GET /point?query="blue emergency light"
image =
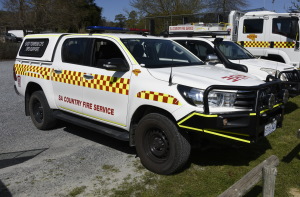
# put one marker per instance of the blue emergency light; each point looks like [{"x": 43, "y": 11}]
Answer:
[{"x": 102, "y": 28}]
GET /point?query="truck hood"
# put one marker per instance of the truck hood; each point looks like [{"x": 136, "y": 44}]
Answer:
[
  {"x": 261, "y": 63},
  {"x": 204, "y": 75}
]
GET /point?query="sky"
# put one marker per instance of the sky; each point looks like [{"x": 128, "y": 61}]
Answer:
[{"x": 113, "y": 7}]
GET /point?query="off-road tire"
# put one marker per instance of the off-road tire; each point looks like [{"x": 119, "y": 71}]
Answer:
[
  {"x": 40, "y": 112},
  {"x": 161, "y": 146}
]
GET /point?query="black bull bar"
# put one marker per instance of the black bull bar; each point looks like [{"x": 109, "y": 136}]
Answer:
[
  {"x": 293, "y": 83},
  {"x": 248, "y": 125},
  {"x": 275, "y": 87}
]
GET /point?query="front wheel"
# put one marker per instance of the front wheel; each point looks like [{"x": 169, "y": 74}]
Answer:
[
  {"x": 161, "y": 146},
  {"x": 40, "y": 112}
]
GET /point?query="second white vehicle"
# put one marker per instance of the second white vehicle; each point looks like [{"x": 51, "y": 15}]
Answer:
[{"x": 228, "y": 54}]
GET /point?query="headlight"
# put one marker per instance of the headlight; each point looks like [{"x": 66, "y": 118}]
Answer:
[
  {"x": 221, "y": 99},
  {"x": 270, "y": 71},
  {"x": 194, "y": 97},
  {"x": 283, "y": 77}
]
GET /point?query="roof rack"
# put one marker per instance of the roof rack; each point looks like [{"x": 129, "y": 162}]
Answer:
[
  {"x": 213, "y": 34},
  {"x": 97, "y": 29},
  {"x": 199, "y": 29}
]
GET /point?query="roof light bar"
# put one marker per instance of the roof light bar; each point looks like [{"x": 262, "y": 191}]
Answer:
[
  {"x": 102, "y": 28},
  {"x": 192, "y": 34}
]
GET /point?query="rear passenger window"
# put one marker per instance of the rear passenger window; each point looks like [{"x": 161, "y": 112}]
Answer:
[
  {"x": 77, "y": 51},
  {"x": 253, "y": 26},
  {"x": 34, "y": 47}
]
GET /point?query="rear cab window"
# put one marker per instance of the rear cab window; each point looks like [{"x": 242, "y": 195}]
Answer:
[
  {"x": 77, "y": 51},
  {"x": 34, "y": 47}
]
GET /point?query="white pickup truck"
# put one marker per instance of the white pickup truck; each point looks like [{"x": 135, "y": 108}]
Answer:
[
  {"x": 233, "y": 56},
  {"x": 149, "y": 91}
]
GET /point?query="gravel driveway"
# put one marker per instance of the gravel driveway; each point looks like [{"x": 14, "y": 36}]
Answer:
[{"x": 56, "y": 162}]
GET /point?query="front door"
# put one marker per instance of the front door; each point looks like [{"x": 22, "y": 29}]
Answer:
[{"x": 105, "y": 93}]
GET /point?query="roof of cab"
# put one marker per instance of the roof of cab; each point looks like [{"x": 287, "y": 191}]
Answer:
[{"x": 54, "y": 37}]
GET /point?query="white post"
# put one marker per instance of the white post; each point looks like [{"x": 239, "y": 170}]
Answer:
[{"x": 269, "y": 177}]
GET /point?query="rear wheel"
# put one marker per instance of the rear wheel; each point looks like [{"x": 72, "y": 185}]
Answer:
[
  {"x": 161, "y": 146},
  {"x": 40, "y": 112}
]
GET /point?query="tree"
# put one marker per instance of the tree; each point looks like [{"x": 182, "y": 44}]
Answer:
[
  {"x": 132, "y": 19},
  {"x": 120, "y": 18},
  {"x": 18, "y": 12},
  {"x": 52, "y": 15},
  {"x": 295, "y": 5},
  {"x": 163, "y": 13},
  {"x": 168, "y": 7},
  {"x": 223, "y": 7}
]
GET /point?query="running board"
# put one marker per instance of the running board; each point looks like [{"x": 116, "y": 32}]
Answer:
[{"x": 111, "y": 131}]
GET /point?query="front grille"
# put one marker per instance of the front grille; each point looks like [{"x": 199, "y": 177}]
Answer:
[
  {"x": 245, "y": 99},
  {"x": 292, "y": 76}
]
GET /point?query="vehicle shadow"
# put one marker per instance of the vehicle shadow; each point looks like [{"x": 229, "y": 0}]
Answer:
[
  {"x": 14, "y": 158},
  {"x": 292, "y": 155},
  {"x": 209, "y": 154},
  {"x": 4, "y": 192},
  {"x": 213, "y": 154},
  {"x": 99, "y": 138},
  {"x": 290, "y": 107}
]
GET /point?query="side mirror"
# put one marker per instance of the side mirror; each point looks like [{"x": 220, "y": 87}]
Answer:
[
  {"x": 116, "y": 64},
  {"x": 212, "y": 59},
  {"x": 297, "y": 45}
]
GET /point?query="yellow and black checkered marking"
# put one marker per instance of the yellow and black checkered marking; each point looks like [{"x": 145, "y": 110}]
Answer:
[
  {"x": 264, "y": 44},
  {"x": 99, "y": 82},
  {"x": 160, "y": 97},
  {"x": 261, "y": 44},
  {"x": 284, "y": 44},
  {"x": 33, "y": 71}
]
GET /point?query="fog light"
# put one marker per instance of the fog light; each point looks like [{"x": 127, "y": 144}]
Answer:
[
  {"x": 225, "y": 122},
  {"x": 271, "y": 101},
  {"x": 285, "y": 96}
]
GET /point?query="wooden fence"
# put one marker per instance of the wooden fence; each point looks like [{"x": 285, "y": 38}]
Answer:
[{"x": 266, "y": 170}]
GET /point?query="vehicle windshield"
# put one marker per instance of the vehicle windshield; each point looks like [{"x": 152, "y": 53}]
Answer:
[
  {"x": 234, "y": 51},
  {"x": 159, "y": 53}
]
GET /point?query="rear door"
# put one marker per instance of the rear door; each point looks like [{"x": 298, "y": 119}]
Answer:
[{"x": 68, "y": 72}]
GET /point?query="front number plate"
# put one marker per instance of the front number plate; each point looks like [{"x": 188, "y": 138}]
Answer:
[{"x": 269, "y": 128}]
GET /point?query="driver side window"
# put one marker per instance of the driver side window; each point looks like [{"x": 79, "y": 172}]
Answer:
[
  {"x": 105, "y": 50},
  {"x": 200, "y": 49}
]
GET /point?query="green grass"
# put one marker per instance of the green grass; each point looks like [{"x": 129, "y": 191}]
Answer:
[
  {"x": 110, "y": 168},
  {"x": 76, "y": 191},
  {"x": 210, "y": 172}
]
